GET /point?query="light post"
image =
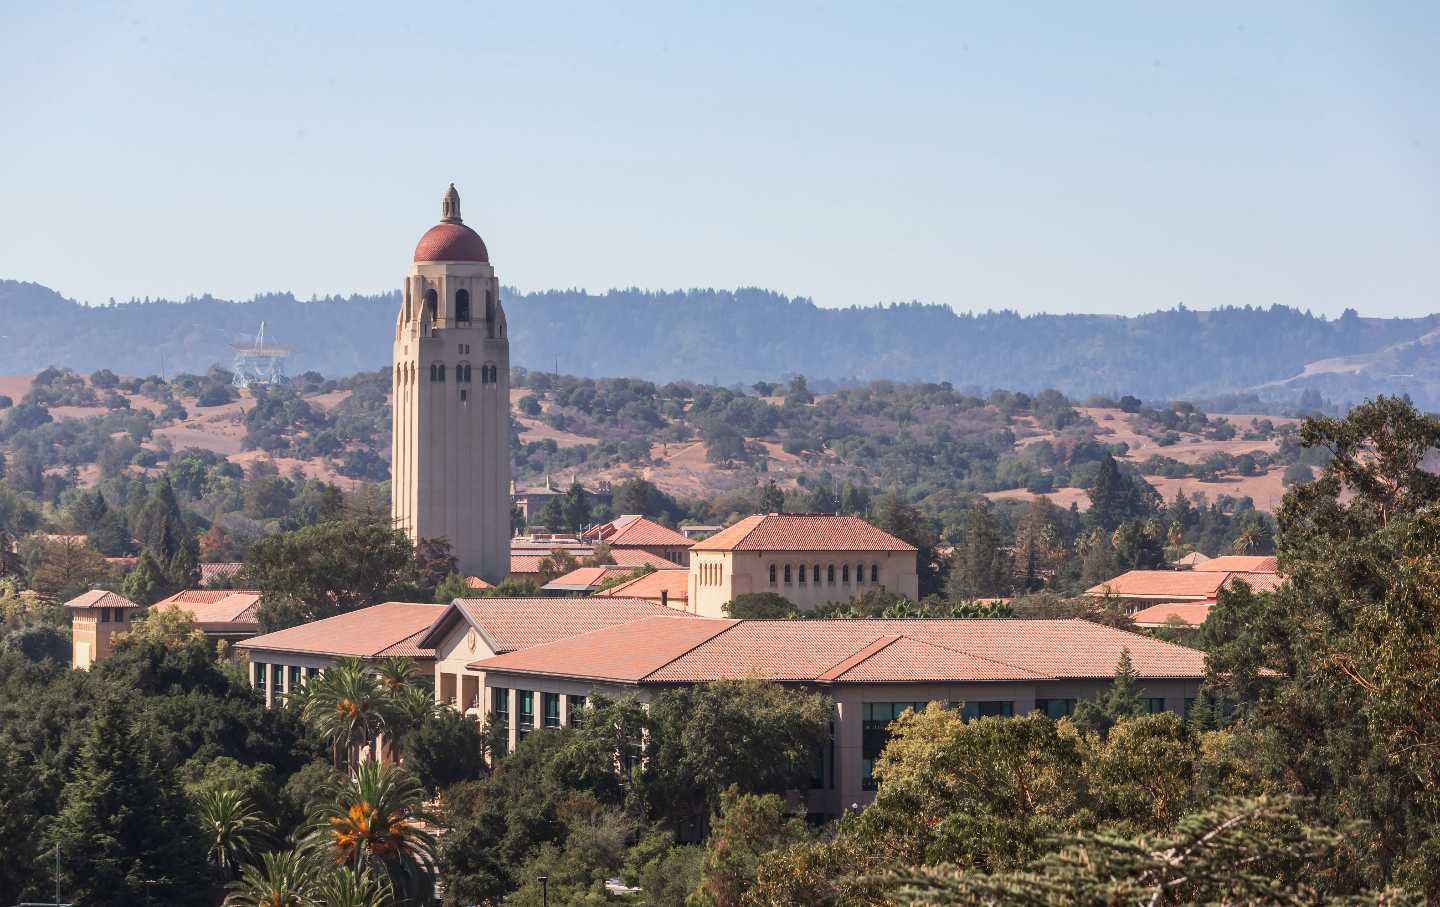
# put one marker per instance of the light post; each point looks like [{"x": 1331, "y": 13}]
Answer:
[{"x": 545, "y": 891}]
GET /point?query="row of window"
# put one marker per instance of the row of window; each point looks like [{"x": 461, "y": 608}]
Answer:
[
  {"x": 489, "y": 373},
  {"x": 114, "y": 615},
  {"x": 462, "y": 308},
  {"x": 814, "y": 572},
  {"x": 525, "y": 706},
  {"x": 274, "y": 676}
]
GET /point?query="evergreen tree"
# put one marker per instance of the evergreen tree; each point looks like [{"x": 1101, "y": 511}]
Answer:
[
  {"x": 1117, "y": 703},
  {"x": 124, "y": 829},
  {"x": 772, "y": 499},
  {"x": 576, "y": 506},
  {"x": 1116, "y": 497},
  {"x": 145, "y": 584},
  {"x": 1099, "y": 564},
  {"x": 980, "y": 568}
]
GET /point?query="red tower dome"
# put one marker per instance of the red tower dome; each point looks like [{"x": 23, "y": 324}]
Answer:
[{"x": 451, "y": 240}]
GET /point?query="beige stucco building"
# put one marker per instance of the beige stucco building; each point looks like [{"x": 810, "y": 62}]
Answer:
[
  {"x": 872, "y": 670},
  {"x": 95, "y": 619},
  {"x": 450, "y": 453},
  {"x": 810, "y": 559}
]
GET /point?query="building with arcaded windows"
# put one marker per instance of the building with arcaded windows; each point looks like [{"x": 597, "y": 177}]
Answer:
[
  {"x": 812, "y": 559},
  {"x": 96, "y": 617},
  {"x": 471, "y": 630},
  {"x": 450, "y": 449},
  {"x": 872, "y": 670}
]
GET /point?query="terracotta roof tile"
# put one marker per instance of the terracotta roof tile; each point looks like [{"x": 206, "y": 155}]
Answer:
[
  {"x": 634, "y": 529},
  {"x": 801, "y": 532},
  {"x": 526, "y": 563},
  {"x": 475, "y": 582},
  {"x": 675, "y": 583},
  {"x": 1240, "y": 563},
  {"x": 223, "y": 570},
  {"x": 1192, "y": 613},
  {"x": 217, "y": 609},
  {"x": 451, "y": 242},
  {"x": 627, "y": 652},
  {"x": 635, "y": 557},
  {"x": 390, "y": 628},
  {"x": 853, "y": 651},
  {"x": 1180, "y": 585},
  {"x": 511, "y": 624},
  {"x": 584, "y": 578},
  {"x": 100, "y": 598}
]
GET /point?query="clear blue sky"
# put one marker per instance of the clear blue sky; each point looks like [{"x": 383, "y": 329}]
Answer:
[{"x": 1072, "y": 157}]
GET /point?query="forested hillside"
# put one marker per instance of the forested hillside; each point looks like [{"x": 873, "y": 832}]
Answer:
[{"x": 746, "y": 335}]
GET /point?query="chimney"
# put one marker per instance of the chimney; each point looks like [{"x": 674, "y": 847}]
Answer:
[{"x": 665, "y": 598}]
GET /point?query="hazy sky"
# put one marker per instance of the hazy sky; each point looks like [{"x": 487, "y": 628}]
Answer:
[{"x": 1051, "y": 157}]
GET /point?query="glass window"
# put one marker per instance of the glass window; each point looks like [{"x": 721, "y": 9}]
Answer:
[
  {"x": 550, "y": 703},
  {"x": 830, "y": 574},
  {"x": 1055, "y": 709},
  {"x": 1002, "y": 708},
  {"x": 815, "y": 574},
  {"x": 800, "y": 573},
  {"x": 772, "y": 574},
  {"x": 1155, "y": 705},
  {"x": 874, "y": 573},
  {"x": 462, "y": 305},
  {"x": 294, "y": 677},
  {"x": 859, "y": 573},
  {"x": 500, "y": 704},
  {"x": 525, "y": 705},
  {"x": 787, "y": 574},
  {"x": 277, "y": 677},
  {"x": 875, "y": 733},
  {"x": 844, "y": 573},
  {"x": 577, "y": 709},
  {"x": 262, "y": 671}
]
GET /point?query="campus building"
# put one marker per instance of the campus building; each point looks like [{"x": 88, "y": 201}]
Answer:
[
  {"x": 283, "y": 661},
  {"x": 95, "y": 618},
  {"x": 811, "y": 559},
  {"x": 1158, "y": 597},
  {"x": 450, "y": 454},
  {"x": 873, "y": 670},
  {"x": 471, "y": 630},
  {"x": 633, "y": 532}
]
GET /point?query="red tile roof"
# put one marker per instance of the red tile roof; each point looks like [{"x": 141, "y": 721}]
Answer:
[
  {"x": 510, "y": 624},
  {"x": 637, "y": 557},
  {"x": 1181, "y": 585},
  {"x": 1192, "y": 613},
  {"x": 526, "y": 563},
  {"x": 585, "y": 578},
  {"x": 475, "y": 582},
  {"x": 391, "y": 628},
  {"x": 801, "y": 532},
  {"x": 217, "y": 609},
  {"x": 100, "y": 598},
  {"x": 634, "y": 529},
  {"x": 451, "y": 242},
  {"x": 222, "y": 570},
  {"x": 1238, "y": 563},
  {"x": 852, "y": 651},
  {"x": 675, "y": 584}
]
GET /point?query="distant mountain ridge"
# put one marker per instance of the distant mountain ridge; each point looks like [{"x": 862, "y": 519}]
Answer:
[{"x": 752, "y": 334}]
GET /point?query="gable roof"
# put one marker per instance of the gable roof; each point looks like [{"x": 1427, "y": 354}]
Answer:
[
  {"x": 390, "y": 628},
  {"x": 674, "y": 583},
  {"x": 636, "y": 557},
  {"x": 1238, "y": 563},
  {"x": 217, "y": 609},
  {"x": 511, "y": 624},
  {"x": 801, "y": 532},
  {"x": 100, "y": 598},
  {"x": 852, "y": 651},
  {"x": 635, "y": 529},
  {"x": 1181, "y": 585}
]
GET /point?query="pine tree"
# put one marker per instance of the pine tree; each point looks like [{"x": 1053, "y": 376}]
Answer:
[
  {"x": 980, "y": 568},
  {"x": 145, "y": 584},
  {"x": 772, "y": 499},
  {"x": 124, "y": 831},
  {"x": 1117, "y": 703}
]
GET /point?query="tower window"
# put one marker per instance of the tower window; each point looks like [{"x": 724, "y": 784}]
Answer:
[
  {"x": 462, "y": 305},
  {"x": 463, "y": 392},
  {"x": 431, "y": 301},
  {"x": 434, "y": 372},
  {"x": 441, "y": 367},
  {"x": 490, "y": 313}
]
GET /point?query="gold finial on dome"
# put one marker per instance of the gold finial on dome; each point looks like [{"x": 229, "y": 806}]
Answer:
[{"x": 450, "y": 206}]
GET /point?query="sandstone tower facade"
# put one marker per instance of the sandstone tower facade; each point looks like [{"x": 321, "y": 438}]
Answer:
[{"x": 450, "y": 453}]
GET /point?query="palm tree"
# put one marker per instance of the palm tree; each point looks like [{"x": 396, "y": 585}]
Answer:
[
  {"x": 282, "y": 879},
  {"x": 232, "y": 827},
  {"x": 347, "y": 888},
  {"x": 1249, "y": 539},
  {"x": 349, "y": 707},
  {"x": 375, "y": 818},
  {"x": 396, "y": 671},
  {"x": 409, "y": 707}
]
